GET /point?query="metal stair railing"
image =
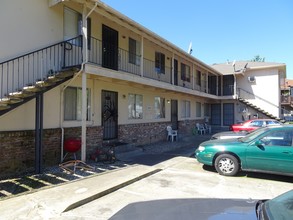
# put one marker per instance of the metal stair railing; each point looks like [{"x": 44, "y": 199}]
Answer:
[{"x": 27, "y": 70}]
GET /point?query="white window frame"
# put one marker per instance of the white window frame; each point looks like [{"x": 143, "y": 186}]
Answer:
[
  {"x": 73, "y": 104},
  {"x": 185, "y": 109},
  {"x": 134, "y": 50},
  {"x": 135, "y": 106},
  {"x": 72, "y": 23},
  {"x": 159, "y": 107}
]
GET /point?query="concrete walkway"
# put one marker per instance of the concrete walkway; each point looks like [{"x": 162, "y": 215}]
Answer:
[{"x": 50, "y": 202}]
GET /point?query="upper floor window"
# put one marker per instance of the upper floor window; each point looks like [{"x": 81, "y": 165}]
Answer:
[
  {"x": 185, "y": 109},
  {"x": 198, "y": 77},
  {"x": 73, "y": 104},
  {"x": 73, "y": 26},
  {"x": 135, "y": 106},
  {"x": 185, "y": 72},
  {"x": 160, "y": 62},
  {"x": 159, "y": 107},
  {"x": 134, "y": 51},
  {"x": 72, "y": 23},
  {"x": 228, "y": 85}
]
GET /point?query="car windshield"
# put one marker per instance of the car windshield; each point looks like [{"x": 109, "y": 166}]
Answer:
[
  {"x": 251, "y": 136},
  {"x": 280, "y": 207}
]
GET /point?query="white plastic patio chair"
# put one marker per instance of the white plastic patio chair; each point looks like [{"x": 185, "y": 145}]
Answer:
[
  {"x": 171, "y": 134},
  {"x": 200, "y": 129}
]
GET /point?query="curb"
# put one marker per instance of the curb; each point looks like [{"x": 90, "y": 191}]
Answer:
[{"x": 110, "y": 190}]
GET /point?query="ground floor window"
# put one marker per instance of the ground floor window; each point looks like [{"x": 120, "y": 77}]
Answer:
[
  {"x": 207, "y": 110},
  {"x": 73, "y": 104},
  {"x": 135, "y": 106},
  {"x": 185, "y": 109},
  {"x": 198, "y": 109},
  {"x": 159, "y": 107}
]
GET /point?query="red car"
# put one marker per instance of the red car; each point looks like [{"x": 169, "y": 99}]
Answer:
[{"x": 254, "y": 124}]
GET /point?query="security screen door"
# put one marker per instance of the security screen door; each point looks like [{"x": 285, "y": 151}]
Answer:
[{"x": 110, "y": 114}]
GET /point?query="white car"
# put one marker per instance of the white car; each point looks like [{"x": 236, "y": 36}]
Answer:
[{"x": 229, "y": 135}]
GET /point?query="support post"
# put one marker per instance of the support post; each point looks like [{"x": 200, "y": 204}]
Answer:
[
  {"x": 39, "y": 133},
  {"x": 84, "y": 85}
]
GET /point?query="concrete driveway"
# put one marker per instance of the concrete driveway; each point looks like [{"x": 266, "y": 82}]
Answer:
[{"x": 183, "y": 177}]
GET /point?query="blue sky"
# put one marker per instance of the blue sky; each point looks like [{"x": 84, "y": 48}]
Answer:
[{"x": 219, "y": 30}]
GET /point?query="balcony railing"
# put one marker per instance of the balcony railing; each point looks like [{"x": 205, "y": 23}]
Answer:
[
  {"x": 286, "y": 100},
  {"x": 130, "y": 63},
  {"x": 30, "y": 68}
]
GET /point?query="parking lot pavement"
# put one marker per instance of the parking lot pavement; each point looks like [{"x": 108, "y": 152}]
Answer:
[
  {"x": 53, "y": 176},
  {"x": 182, "y": 177},
  {"x": 52, "y": 201}
]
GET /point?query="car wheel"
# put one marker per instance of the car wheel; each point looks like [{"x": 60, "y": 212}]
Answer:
[{"x": 226, "y": 165}]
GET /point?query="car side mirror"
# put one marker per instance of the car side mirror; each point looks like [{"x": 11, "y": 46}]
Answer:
[{"x": 259, "y": 143}]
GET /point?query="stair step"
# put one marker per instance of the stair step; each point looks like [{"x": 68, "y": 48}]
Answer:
[
  {"x": 4, "y": 107},
  {"x": 43, "y": 83},
  {"x": 21, "y": 94},
  {"x": 56, "y": 77},
  {"x": 32, "y": 88},
  {"x": 53, "y": 79},
  {"x": 10, "y": 100},
  {"x": 65, "y": 73}
]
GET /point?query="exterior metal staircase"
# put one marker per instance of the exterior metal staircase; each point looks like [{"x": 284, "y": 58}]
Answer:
[
  {"x": 258, "y": 109},
  {"x": 23, "y": 77},
  {"x": 244, "y": 96}
]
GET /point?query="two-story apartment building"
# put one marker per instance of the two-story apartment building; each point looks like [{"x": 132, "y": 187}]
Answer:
[
  {"x": 257, "y": 87},
  {"x": 80, "y": 69}
]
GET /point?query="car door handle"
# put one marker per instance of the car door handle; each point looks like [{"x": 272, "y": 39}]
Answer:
[{"x": 287, "y": 152}]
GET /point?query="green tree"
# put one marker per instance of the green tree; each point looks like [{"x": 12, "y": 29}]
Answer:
[{"x": 257, "y": 58}]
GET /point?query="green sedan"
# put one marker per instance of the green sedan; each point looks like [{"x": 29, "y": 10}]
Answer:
[{"x": 268, "y": 150}]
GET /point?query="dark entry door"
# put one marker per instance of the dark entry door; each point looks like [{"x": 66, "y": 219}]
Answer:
[
  {"x": 110, "y": 48},
  {"x": 174, "y": 114},
  {"x": 216, "y": 114},
  {"x": 110, "y": 114},
  {"x": 228, "y": 113}
]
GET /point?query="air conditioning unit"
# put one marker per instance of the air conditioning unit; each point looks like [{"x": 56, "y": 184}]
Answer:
[{"x": 251, "y": 79}]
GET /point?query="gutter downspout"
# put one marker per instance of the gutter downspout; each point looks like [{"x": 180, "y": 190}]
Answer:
[
  {"x": 61, "y": 109},
  {"x": 84, "y": 79},
  {"x": 235, "y": 95}
]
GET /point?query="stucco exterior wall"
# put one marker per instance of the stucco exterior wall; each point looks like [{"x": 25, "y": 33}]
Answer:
[
  {"x": 28, "y": 25},
  {"x": 264, "y": 92},
  {"x": 53, "y": 106}
]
